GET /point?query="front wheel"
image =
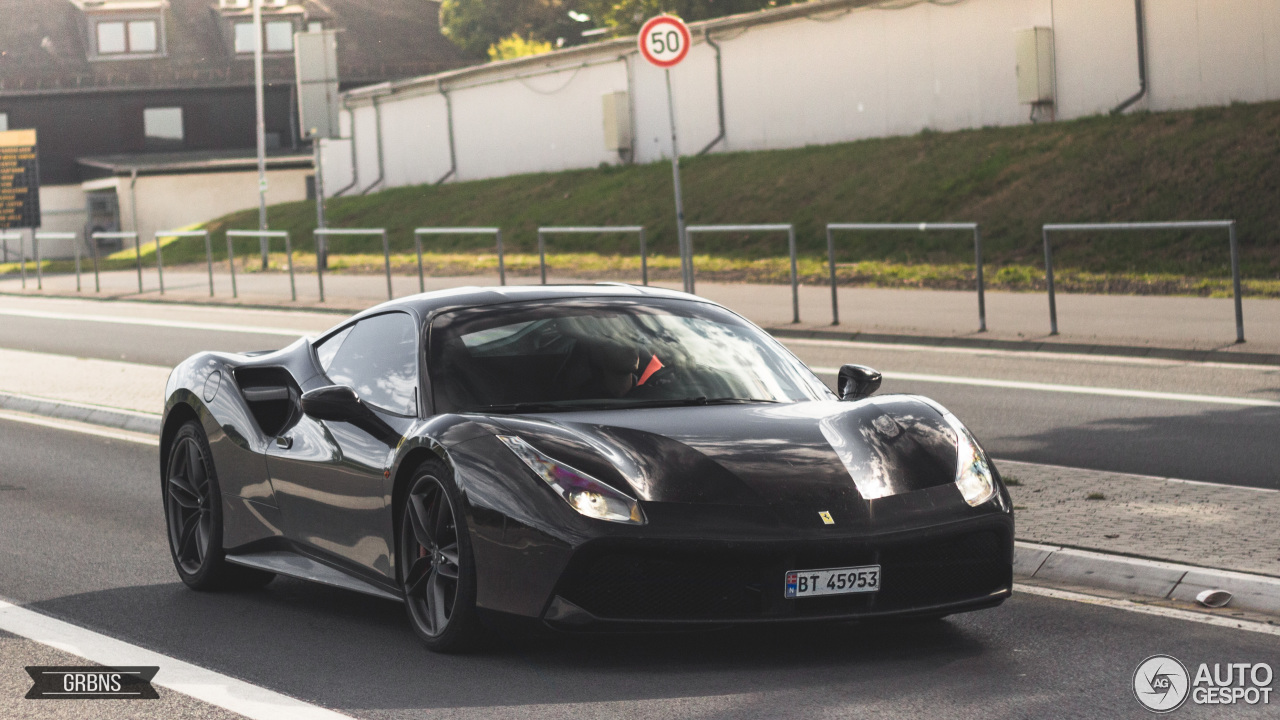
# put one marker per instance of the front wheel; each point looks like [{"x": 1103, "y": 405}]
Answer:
[
  {"x": 193, "y": 514},
  {"x": 437, "y": 569}
]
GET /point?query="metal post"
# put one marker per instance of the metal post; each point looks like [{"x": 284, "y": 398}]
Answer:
[
  {"x": 795, "y": 281},
  {"x": 502, "y": 272},
  {"x": 259, "y": 107},
  {"x": 1235, "y": 282},
  {"x": 35, "y": 252},
  {"x": 159, "y": 264},
  {"x": 209, "y": 258},
  {"x": 982, "y": 299},
  {"x": 644, "y": 259},
  {"x": 321, "y": 260},
  {"x": 231, "y": 262},
  {"x": 76, "y": 244},
  {"x": 322, "y": 250},
  {"x": 137, "y": 254},
  {"x": 386, "y": 256},
  {"x": 22, "y": 257},
  {"x": 542, "y": 258},
  {"x": 417, "y": 245},
  {"x": 288, "y": 250},
  {"x": 831, "y": 259},
  {"x": 97, "y": 284},
  {"x": 686, "y": 253},
  {"x": 1048, "y": 274}
]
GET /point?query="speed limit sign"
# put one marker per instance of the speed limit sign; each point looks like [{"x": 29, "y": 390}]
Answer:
[{"x": 664, "y": 41}]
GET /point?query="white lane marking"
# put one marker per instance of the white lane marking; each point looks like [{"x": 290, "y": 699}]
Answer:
[
  {"x": 82, "y": 406},
  {"x": 152, "y": 322},
  {"x": 1143, "y": 608},
  {"x": 1076, "y": 389},
  {"x": 200, "y": 683},
  {"x": 84, "y": 428},
  {"x": 1027, "y": 354}
]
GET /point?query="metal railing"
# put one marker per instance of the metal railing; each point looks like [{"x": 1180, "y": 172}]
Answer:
[
  {"x": 909, "y": 227},
  {"x": 362, "y": 232},
  {"x": 495, "y": 232},
  {"x": 97, "y": 251},
  {"x": 208, "y": 252},
  {"x": 260, "y": 235},
  {"x": 788, "y": 228},
  {"x": 1228, "y": 225},
  {"x": 36, "y": 237},
  {"x": 5, "y": 237},
  {"x": 588, "y": 230}
]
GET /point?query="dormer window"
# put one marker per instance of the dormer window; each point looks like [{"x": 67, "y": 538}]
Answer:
[
  {"x": 131, "y": 37},
  {"x": 124, "y": 30},
  {"x": 277, "y": 36}
]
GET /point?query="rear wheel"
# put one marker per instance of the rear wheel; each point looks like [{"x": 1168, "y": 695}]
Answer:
[
  {"x": 437, "y": 571},
  {"x": 193, "y": 514}
]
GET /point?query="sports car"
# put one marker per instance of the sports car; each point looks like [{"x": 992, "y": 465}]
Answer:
[{"x": 580, "y": 458}]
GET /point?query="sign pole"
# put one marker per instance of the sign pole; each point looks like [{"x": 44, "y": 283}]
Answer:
[
  {"x": 322, "y": 250},
  {"x": 685, "y": 260},
  {"x": 262, "y": 132}
]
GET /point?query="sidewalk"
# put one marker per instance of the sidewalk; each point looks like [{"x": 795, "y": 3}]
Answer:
[{"x": 1134, "y": 323}]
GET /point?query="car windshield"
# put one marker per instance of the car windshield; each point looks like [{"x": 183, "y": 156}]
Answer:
[{"x": 598, "y": 354}]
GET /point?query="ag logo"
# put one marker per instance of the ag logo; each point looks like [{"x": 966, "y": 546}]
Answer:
[{"x": 1161, "y": 683}]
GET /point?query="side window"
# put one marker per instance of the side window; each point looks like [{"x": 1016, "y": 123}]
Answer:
[
  {"x": 378, "y": 358},
  {"x": 326, "y": 350}
]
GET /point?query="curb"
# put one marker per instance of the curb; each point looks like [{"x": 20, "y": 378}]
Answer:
[
  {"x": 1149, "y": 578},
  {"x": 1050, "y": 563},
  {"x": 1218, "y": 356},
  {"x": 141, "y": 422}
]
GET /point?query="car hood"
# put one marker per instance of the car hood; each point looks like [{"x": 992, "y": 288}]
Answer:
[{"x": 826, "y": 455}]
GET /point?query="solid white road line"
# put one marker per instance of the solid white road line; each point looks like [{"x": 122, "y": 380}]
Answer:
[
  {"x": 85, "y": 428},
  {"x": 202, "y": 684},
  {"x": 151, "y": 322},
  {"x": 1075, "y": 389},
  {"x": 1025, "y": 354},
  {"x": 1157, "y": 610}
]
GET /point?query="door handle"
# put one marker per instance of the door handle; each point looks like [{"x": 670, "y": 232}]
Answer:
[{"x": 284, "y": 442}]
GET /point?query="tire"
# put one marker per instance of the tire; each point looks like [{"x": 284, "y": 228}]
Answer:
[
  {"x": 436, "y": 566},
  {"x": 193, "y": 517}
]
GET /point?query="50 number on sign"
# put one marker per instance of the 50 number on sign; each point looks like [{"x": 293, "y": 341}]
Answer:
[{"x": 664, "y": 41}]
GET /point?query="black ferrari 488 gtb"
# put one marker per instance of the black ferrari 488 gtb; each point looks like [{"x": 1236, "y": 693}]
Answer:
[{"x": 599, "y": 457}]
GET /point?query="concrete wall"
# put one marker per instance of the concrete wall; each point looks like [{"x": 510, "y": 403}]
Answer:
[{"x": 837, "y": 76}]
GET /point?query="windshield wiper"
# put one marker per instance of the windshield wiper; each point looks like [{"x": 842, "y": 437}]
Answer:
[
  {"x": 620, "y": 404},
  {"x": 523, "y": 407}
]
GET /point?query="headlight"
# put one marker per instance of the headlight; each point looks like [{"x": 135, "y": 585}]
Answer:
[
  {"x": 583, "y": 492},
  {"x": 973, "y": 473}
]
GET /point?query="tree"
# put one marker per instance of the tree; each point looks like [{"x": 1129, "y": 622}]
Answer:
[{"x": 480, "y": 26}]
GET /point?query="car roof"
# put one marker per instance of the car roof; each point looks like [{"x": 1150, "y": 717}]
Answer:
[{"x": 431, "y": 303}]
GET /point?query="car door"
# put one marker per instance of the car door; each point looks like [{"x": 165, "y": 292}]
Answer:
[{"x": 328, "y": 475}]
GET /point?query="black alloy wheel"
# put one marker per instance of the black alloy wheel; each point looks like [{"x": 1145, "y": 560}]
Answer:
[
  {"x": 435, "y": 557},
  {"x": 193, "y": 514}
]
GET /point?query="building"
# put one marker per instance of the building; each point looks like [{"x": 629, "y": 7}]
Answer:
[{"x": 145, "y": 109}]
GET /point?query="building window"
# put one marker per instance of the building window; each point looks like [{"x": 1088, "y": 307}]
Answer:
[
  {"x": 244, "y": 37},
  {"x": 279, "y": 36},
  {"x": 162, "y": 128},
  {"x": 4, "y": 122},
  {"x": 315, "y": 26},
  {"x": 134, "y": 37}
]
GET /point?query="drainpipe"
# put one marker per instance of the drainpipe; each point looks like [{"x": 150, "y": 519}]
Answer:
[
  {"x": 1142, "y": 63},
  {"x": 453, "y": 156},
  {"x": 137, "y": 226},
  {"x": 706, "y": 34},
  {"x": 377, "y": 126},
  {"x": 355, "y": 169}
]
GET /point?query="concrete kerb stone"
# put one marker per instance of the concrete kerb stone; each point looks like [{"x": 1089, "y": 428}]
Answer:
[
  {"x": 1147, "y": 578},
  {"x": 140, "y": 422}
]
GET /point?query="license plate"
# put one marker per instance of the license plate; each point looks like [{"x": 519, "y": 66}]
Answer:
[{"x": 832, "y": 581}]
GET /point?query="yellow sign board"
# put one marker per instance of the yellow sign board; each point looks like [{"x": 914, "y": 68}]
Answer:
[{"x": 19, "y": 180}]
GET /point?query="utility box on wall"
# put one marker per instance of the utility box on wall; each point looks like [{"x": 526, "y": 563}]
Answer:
[
  {"x": 617, "y": 122},
  {"x": 1035, "y": 65}
]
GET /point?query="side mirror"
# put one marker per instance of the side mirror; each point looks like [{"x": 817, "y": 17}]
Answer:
[
  {"x": 854, "y": 382},
  {"x": 333, "y": 402},
  {"x": 339, "y": 403}
]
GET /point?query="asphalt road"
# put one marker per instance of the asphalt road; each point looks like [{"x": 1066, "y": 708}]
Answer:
[
  {"x": 82, "y": 538},
  {"x": 1205, "y": 441}
]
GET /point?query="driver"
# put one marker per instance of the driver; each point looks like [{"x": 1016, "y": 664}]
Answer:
[{"x": 616, "y": 366}]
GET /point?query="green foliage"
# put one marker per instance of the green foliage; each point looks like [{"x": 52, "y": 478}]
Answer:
[
  {"x": 514, "y": 46},
  {"x": 477, "y": 26}
]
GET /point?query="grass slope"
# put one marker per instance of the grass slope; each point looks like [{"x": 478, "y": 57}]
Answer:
[{"x": 1216, "y": 163}]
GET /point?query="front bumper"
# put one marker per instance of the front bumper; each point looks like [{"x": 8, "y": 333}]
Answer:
[{"x": 622, "y": 583}]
